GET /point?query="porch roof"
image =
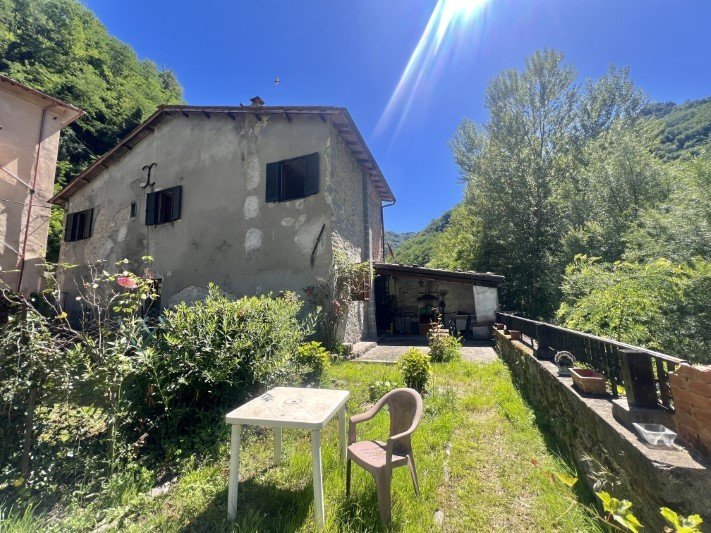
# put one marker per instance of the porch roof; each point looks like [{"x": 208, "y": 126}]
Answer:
[{"x": 484, "y": 279}]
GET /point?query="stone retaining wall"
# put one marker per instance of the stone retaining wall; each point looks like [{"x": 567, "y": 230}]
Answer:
[{"x": 649, "y": 477}]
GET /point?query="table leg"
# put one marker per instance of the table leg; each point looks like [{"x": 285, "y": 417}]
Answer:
[
  {"x": 318, "y": 476},
  {"x": 277, "y": 445},
  {"x": 342, "y": 431},
  {"x": 234, "y": 472}
]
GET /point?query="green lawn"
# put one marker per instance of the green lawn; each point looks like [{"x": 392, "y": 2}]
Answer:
[{"x": 483, "y": 465}]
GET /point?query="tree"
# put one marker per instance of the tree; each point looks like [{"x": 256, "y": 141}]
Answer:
[
  {"x": 679, "y": 228},
  {"x": 530, "y": 172},
  {"x": 621, "y": 178},
  {"x": 512, "y": 167},
  {"x": 657, "y": 304}
]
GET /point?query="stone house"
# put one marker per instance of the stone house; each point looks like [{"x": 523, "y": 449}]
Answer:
[
  {"x": 30, "y": 124},
  {"x": 256, "y": 199}
]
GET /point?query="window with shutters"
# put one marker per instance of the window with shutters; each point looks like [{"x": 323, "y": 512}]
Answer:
[
  {"x": 292, "y": 179},
  {"x": 78, "y": 225},
  {"x": 163, "y": 206}
]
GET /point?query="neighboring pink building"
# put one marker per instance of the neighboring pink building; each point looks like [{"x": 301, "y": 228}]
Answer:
[{"x": 30, "y": 122}]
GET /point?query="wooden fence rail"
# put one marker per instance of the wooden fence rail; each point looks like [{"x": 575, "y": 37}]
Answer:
[{"x": 643, "y": 373}]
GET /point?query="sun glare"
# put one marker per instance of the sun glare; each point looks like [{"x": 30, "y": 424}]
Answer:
[{"x": 450, "y": 22}]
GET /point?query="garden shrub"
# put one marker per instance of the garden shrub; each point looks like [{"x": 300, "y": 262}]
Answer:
[
  {"x": 443, "y": 348},
  {"x": 416, "y": 369},
  {"x": 216, "y": 353},
  {"x": 313, "y": 357},
  {"x": 378, "y": 389}
]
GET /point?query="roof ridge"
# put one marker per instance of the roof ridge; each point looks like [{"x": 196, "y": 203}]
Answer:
[{"x": 346, "y": 126}]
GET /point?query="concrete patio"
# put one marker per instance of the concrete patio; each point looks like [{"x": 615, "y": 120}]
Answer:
[{"x": 389, "y": 349}]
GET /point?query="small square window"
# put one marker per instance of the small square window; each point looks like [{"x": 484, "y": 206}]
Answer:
[
  {"x": 78, "y": 225},
  {"x": 292, "y": 178},
  {"x": 163, "y": 206}
]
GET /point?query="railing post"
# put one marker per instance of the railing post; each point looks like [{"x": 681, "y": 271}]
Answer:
[
  {"x": 542, "y": 350},
  {"x": 638, "y": 378}
]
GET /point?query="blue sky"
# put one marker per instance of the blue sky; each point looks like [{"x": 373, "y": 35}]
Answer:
[{"x": 353, "y": 53}]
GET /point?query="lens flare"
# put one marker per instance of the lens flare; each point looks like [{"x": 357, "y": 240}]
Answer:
[{"x": 450, "y": 21}]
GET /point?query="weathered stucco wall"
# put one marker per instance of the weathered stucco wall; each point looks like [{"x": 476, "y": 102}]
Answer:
[
  {"x": 459, "y": 297},
  {"x": 227, "y": 232},
  {"x": 346, "y": 194},
  {"x": 20, "y": 126},
  {"x": 649, "y": 477}
]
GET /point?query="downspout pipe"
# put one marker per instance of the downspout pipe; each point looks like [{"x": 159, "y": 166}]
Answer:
[
  {"x": 32, "y": 189},
  {"x": 382, "y": 224}
]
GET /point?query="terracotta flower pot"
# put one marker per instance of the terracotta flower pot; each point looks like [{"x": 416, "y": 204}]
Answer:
[
  {"x": 589, "y": 381},
  {"x": 498, "y": 325},
  {"x": 515, "y": 335}
]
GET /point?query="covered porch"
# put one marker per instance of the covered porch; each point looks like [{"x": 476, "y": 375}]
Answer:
[{"x": 409, "y": 298}]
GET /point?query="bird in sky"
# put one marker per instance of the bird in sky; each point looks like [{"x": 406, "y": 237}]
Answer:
[{"x": 277, "y": 81}]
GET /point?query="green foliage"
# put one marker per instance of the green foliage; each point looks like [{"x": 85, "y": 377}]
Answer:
[
  {"x": 59, "y": 47},
  {"x": 524, "y": 165},
  {"x": 378, "y": 389},
  {"x": 416, "y": 369},
  {"x": 682, "y": 524},
  {"x": 51, "y": 368},
  {"x": 82, "y": 405},
  {"x": 313, "y": 357},
  {"x": 491, "y": 477},
  {"x": 659, "y": 304},
  {"x": 215, "y": 353},
  {"x": 395, "y": 239},
  {"x": 34, "y": 370},
  {"x": 418, "y": 249},
  {"x": 679, "y": 228},
  {"x": 332, "y": 296},
  {"x": 443, "y": 348},
  {"x": 686, "y": 127},
  {"x": 619, "y": 511}
]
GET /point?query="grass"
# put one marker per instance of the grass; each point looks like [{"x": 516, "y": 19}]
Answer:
[{"x": 483, "y": 465}]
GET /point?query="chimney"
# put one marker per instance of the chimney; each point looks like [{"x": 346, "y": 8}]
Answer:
[{"x": 256, "y": 102}]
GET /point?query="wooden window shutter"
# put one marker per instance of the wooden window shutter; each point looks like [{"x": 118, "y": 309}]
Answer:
[
  {"x": 150, "y": 208},
  {"x": 273, "y": 171},
  {"x": 177, "y": 199},
  {"x": 311, "y": 183},
  {"x": 88, "y": 223},
  {"x": 69, "y": 227}
]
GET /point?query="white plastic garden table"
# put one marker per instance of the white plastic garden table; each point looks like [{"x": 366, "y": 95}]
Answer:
[{"x": 289, "y": 407}]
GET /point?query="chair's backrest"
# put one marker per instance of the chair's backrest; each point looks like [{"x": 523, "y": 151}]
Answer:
[{"x": 405, "y": 406}]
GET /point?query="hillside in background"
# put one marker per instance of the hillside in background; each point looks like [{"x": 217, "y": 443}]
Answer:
[
  {"x": 686, "y": 132},
  {"x": 417, "y": 249},
  {"x": 395, "y": 239},
  {"x": 686, "y": 127}
]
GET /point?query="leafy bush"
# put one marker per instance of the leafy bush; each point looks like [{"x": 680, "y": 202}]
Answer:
[
  {"x": 378, "y": 389},
  {"x": 656, "y": 304},
  {"x": 62, "y": 388},
  {"x": 313, "y": 357},
  {"x": 215, "y": 353},
  {"x": 443, "y": 348},
  {"x": 416, "y": 369}
]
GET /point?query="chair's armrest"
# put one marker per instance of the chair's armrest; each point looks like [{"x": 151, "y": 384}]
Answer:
[{"x": 403, "y": 434}]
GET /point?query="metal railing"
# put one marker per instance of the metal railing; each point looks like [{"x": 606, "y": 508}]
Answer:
[{"x": 644, "y": 373}]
